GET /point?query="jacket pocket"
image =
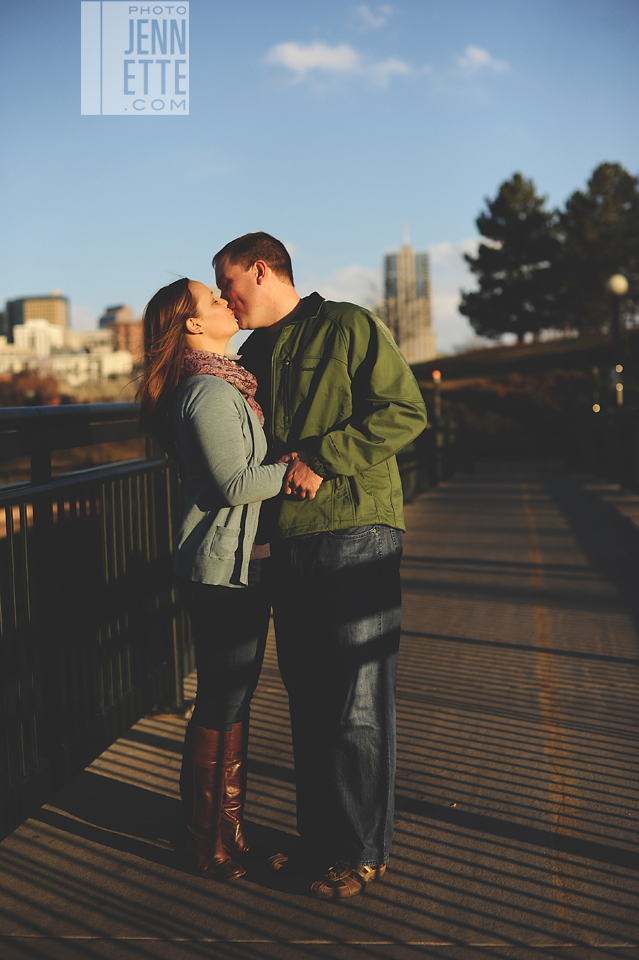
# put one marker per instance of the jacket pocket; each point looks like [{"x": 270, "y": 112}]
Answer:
[{"x": 223, "y": 544}]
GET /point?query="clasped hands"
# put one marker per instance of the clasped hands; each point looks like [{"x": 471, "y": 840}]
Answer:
[{"x": 301, "y": 481}]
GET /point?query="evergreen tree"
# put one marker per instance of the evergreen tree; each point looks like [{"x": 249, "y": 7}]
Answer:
[
  {"x": 599, "y": 233},
  {"x": 515, "y": 269}
]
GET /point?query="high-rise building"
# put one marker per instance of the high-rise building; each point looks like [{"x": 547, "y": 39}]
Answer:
[
  {"x": 407, "y": 303},
  {"x": 52, "y": 307}
]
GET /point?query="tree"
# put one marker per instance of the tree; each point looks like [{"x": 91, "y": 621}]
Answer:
[
  {"x": 28, "y": 389},
  {"x": 599, "y": 234},
  {"x": 515, "y": 269}
]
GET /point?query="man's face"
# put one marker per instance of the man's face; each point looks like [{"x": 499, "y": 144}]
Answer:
[{"x": 240, "y": 289}]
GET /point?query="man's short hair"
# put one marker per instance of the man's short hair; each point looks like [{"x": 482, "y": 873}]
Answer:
[{"x": 257, "y": 246}]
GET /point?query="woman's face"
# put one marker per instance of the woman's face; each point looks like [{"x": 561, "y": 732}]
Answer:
[{"x": 216, "y": 319}]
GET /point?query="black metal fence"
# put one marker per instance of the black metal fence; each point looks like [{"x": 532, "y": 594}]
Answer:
[{"x": 93, "y": 634}]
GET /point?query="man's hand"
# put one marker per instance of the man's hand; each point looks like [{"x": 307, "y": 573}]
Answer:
[{"x": 301, "y": 482}]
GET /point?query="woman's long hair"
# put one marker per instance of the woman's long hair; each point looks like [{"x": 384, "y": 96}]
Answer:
[{"x": 164, "y": 343}]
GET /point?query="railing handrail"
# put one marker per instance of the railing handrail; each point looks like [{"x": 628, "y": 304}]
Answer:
[
  {"x": 37, "y": 431},
  {"x": 16, "y": 417}
]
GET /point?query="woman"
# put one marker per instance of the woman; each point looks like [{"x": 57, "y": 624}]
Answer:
[{"x": 201, "y": 408}]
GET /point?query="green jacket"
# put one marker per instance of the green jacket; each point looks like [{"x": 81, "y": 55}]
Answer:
[{"x": 342, "y": 391}]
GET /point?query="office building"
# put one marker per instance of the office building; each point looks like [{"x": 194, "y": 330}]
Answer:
[
  {"x": 407, "y": 303},
  {"x": 52, "y": 307}
]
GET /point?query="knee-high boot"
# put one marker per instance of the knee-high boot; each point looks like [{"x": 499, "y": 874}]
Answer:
[
  {"x": 233, "y": 835},
  {"x": 202, "y": 791}
]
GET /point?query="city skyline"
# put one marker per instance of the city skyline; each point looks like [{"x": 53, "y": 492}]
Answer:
[{"x": 328, "y": 127}]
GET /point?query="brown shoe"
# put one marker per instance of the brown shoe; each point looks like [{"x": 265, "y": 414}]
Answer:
[{"x": 342, "y": 880}]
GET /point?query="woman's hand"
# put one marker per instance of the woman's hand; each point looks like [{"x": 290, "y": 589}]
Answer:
[{"x": 301, "y": 481}]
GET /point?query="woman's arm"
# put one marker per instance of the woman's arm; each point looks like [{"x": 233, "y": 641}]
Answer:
[{"x": 214, "y": 416}]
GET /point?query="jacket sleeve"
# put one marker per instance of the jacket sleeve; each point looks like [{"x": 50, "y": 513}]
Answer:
[
  {"x": 388, "y": 410},
  {"x": 215, "y": 422}
]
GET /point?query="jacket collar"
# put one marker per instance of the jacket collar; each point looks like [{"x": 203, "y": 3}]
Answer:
[{"x": 308, "y": 308}]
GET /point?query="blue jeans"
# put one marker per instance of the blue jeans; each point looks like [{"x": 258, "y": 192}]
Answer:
[
  {"x": 337, "y": 610},
  {"x": 229, "y": 625}
]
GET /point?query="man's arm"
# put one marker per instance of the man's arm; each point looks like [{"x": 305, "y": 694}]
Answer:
[{"x": 388, "y": 408}]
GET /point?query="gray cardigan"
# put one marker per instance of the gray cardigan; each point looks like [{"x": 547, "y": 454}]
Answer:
[{"x": 221, "y": 446}]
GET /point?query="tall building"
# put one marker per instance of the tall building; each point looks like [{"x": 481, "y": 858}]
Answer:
[
  {"x": 126, "y": 331},
  {"x": 407, "y": 303},
  {"x": 52, "y": 307}
]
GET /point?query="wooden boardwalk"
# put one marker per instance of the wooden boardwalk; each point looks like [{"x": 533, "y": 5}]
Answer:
[{"x": 516, "y": 827}]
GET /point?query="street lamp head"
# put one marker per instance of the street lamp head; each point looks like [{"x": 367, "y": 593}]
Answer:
[{"x": 618, "y": 285}]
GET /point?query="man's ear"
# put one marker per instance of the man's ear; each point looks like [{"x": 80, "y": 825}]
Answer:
[
  {"x": 260, "y": 267},
  {"x": 192, "y": 325}
]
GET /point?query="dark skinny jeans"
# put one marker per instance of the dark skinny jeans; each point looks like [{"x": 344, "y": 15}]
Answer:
[{"x": 229, "y": 625}]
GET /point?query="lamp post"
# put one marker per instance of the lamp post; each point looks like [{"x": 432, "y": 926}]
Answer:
[
  {"x": 437, "y": 403},
  {"x": 438, "y": 435},
  {"x": 618, "y": 286}
]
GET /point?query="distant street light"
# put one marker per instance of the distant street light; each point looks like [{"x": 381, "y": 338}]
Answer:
[{"x": 618, "y": 285}]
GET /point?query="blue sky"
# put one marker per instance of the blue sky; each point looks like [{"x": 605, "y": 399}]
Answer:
[{"x": 330, "y": 125}]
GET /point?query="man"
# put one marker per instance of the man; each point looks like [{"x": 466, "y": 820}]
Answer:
[{"x": 339, "y": 396}]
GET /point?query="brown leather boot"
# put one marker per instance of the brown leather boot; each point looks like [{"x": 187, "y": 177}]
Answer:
[
  {"x": 202, "y": 789},
  {"x": 235, "y": 791},
  {"x": 233, "y": 835}
]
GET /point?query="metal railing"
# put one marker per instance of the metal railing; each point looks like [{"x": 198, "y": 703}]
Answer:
[
  {"x": 93, "y": 634},
  {"x": 93, "y": 631}
]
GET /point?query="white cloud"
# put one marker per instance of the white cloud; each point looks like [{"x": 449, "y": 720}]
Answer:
[
  {"x": 449, "y": 256},
  {"x": 320, "y": 58},
  {"x": 312, "y": 61},
  {"x": 449, "y": 275},
  {"x": 300, "y": 57},
  {"x": 382, "y": 72},
  {"x": 355, "y": 284},
  {"x": 369, "y": 19},
  {"x": 476, "y": 60}
]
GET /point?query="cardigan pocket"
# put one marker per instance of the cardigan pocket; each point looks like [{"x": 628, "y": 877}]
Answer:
[{"x": 224, "y": 543}]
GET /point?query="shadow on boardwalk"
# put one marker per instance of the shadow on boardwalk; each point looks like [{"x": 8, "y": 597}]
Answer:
[{"x": 516, "y": 827}]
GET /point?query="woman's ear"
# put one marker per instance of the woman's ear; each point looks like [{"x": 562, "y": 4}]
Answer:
[{"x": 192, "y": 325}]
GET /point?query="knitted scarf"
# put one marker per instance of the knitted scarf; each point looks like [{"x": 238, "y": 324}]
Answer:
[{"x": 196, "y": 362}]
